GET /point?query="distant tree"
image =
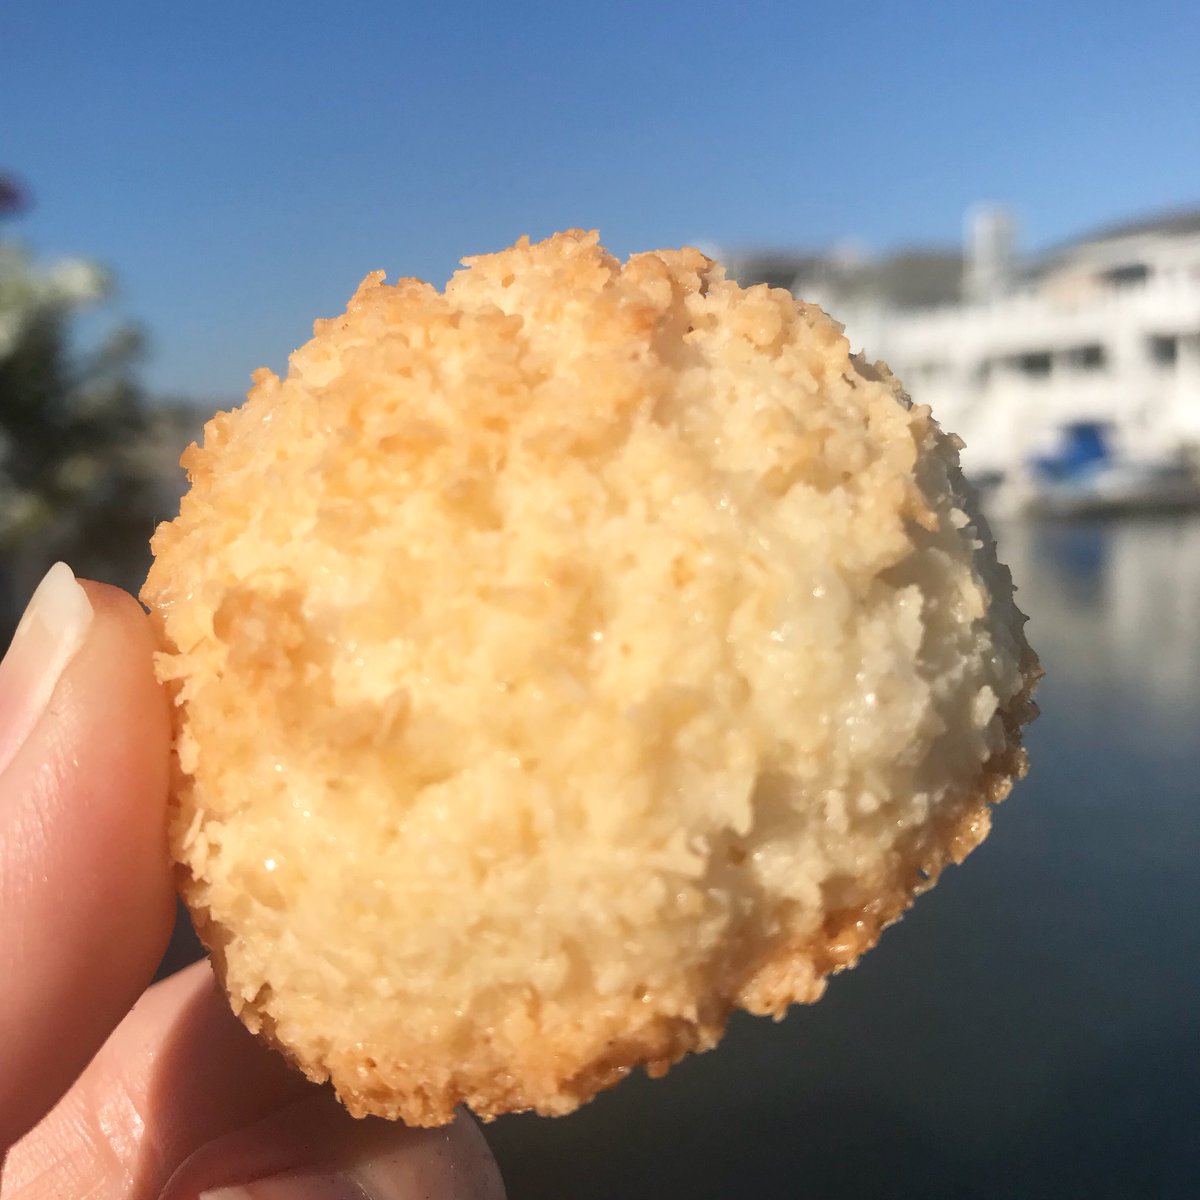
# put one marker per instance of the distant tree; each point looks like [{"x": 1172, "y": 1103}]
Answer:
[
  {"x": 13, "y": 197},
  {"x": 76, "y": 481}
]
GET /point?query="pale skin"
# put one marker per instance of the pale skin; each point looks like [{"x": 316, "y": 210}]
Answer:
[{"x": 110, "y": 1091}]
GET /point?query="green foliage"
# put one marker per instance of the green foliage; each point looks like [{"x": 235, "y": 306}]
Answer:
[
  {"x": 76, "y": 473},
  {"x": 69, "y": 423}
]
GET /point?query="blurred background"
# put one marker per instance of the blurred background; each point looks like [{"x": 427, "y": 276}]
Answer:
[{"x": 1003, "y": 201}]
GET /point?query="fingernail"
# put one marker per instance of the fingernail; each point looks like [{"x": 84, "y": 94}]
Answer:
[
  {"x": 387, "y": 1163},
  {"x": 295, "y": 1187},
  {"x": 50, "y": 634}
]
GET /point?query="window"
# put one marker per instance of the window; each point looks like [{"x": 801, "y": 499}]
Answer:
[
  {"x": 930, "y": 369},
  {"x": 1037, "y": 363},
  {"x": 1164, "y": 350},
  {"x": 1126, "y": 274},
  {"x": 1087, "y": 358}
]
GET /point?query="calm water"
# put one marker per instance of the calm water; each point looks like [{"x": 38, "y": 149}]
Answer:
[{"x": 1031, "y": 1028}]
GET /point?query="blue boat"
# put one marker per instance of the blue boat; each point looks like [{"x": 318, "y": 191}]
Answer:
[{"x": 1087, "y": 476}]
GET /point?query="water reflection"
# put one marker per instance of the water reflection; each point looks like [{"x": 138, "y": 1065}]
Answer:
[{"x": 1115, "y": 605}]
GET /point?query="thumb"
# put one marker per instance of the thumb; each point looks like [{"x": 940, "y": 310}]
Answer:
[{"x": 86, "y": 899}]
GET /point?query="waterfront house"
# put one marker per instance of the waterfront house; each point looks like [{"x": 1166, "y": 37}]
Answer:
[{"x": 1076, "y": 366}]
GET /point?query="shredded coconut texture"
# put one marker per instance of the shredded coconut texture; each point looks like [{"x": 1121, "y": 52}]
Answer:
[{"x": 563, "y": 661}]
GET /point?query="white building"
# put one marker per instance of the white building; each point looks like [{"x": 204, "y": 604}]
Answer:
[{"x": 1100, "y": 334}]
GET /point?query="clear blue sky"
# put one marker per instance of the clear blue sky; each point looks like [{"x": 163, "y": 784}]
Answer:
[{"x": 241, "y": 166}]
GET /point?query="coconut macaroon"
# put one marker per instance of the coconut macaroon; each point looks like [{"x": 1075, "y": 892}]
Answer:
[{"x": 562, "y": 662}]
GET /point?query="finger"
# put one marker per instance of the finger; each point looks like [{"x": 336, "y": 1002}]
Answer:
[
  {"x": 179, "y": 1071},
  {"x": 182, "y": 1090},
  {"x": 86, "y": 897},
  {"x": 314, "y": 1150}
]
